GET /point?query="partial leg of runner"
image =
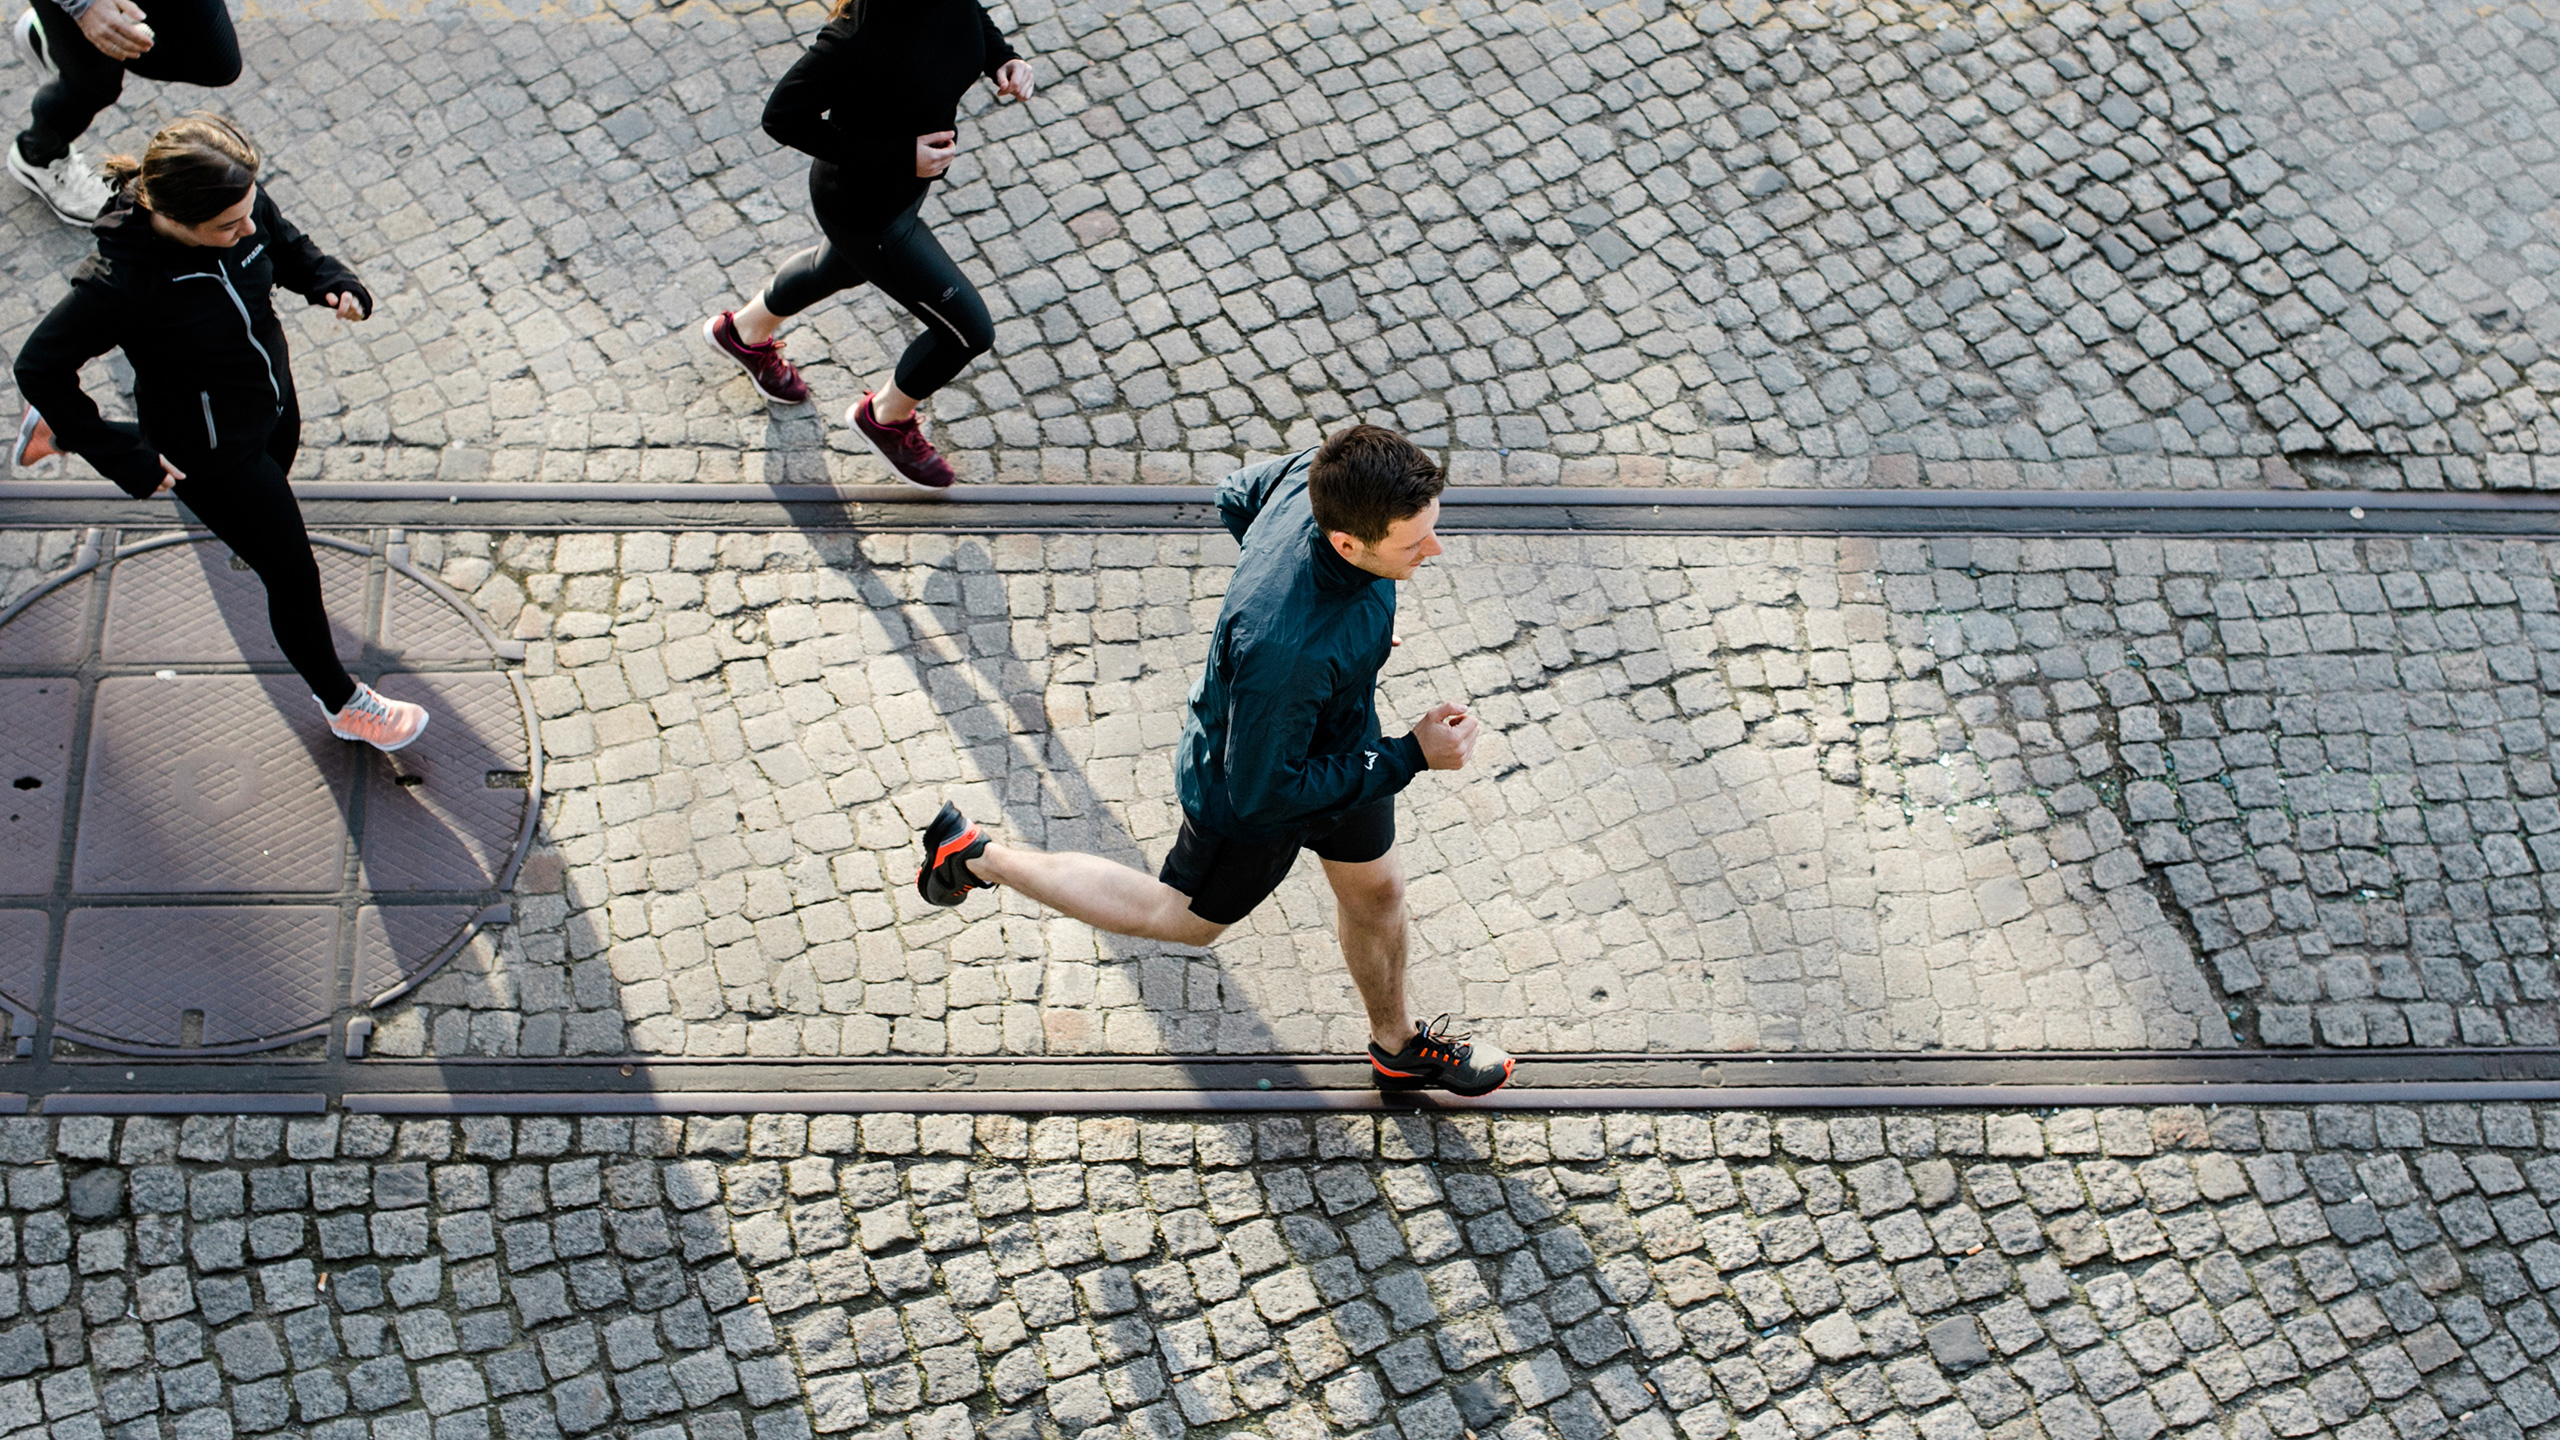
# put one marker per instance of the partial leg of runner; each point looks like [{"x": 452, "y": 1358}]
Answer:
[
  {"x": 193, "y": 44},
  {"x": 1102, "y": 893},
  {"x": 1369, "y": 919},
  {"x": 253, "y": 511},
  {"x": 909, "y": 266}
]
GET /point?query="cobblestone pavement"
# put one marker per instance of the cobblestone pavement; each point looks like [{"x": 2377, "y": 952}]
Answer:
[
  {"x": 1734, "y": 794},
  {"x": 1713, "y": 243},
  {"x": 2350, "y": 1271}
]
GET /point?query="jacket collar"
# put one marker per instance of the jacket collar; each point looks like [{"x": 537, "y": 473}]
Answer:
[{"x": 1335, "y": 573}]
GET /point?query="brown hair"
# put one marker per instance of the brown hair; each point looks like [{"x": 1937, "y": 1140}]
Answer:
[
  {"x": 193, "y": 170},
  {"x": 850, "y": 10},
  {"x": 1367, "y": 478}
]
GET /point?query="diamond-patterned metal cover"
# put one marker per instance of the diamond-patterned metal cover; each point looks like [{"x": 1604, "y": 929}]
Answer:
[
  {"x": 185, "y": 604},
  {"x": 419, "y": 624},
  {"x": 443, "y": 814},
  {"x": 22, "y": 937},
  {"x": 52, "y": 630},
  {"x": 398, "y": 944},
  {"x": 211, "y": 783},
  {"x": 254, "y": 972},
  {"x": 35, "y": 773}
]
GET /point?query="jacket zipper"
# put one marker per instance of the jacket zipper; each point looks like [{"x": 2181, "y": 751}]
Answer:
[
  {"x": 211, "y": 439},
  {"x": 247, "y": 330}
]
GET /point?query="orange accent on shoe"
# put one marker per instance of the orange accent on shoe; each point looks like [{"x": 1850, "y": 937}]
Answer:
[
  {"x": 1383, "y": 1070},
  {"x": 957, "y": 842}
]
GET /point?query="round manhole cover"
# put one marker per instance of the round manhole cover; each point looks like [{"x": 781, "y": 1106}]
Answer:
[{"x": 188, "y": 855}]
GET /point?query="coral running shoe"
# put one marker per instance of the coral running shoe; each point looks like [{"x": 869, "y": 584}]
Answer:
[
  {"x": 378, "y": 720},
  {"x": 35, "y": 441},
  {"x": 950, "y": 843},
  {"x": 903, "y": 445},
  {"x": 1438, "y": 1057},
  {"x": 772, "y": 375}
]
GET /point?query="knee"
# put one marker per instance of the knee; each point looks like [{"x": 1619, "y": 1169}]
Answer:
[
  {"x": 978, "y": 336},
  {"x": 1373, "y": 895}
]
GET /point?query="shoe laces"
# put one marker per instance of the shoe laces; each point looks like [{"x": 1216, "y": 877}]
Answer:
[
  {"x": 365, "y": 704},
  {"x": 1437, "y": 1040}
]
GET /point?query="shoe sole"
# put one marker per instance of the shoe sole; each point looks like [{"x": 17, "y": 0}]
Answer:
[
  {"x": 31, "y": 44},
  {"x": 883, "y": 452},
  {"x": 35, "y": 188},
  {"x": 26, "y": 437},
  {"x": 710, "y": 337}
]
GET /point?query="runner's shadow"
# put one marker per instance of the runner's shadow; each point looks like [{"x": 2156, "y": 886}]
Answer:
[{"x": 994, "y": 706}]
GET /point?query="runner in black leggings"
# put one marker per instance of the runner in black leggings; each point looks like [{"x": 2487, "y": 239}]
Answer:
[
  {"x": 188, "y": 253},
  {"x": 874, "y": 101},
  {"x": 83, "y": 48}
]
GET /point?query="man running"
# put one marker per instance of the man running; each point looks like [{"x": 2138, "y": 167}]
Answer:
[{"x": 1281, "y": 751}]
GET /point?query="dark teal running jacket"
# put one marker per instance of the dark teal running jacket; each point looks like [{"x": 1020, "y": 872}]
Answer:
[{"x": 1282, "y": 737}]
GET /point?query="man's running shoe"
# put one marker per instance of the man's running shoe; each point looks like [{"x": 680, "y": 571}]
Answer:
[
  {"x": 772, "y": 375},
  {"x": 34, "y": 44},
  {"x": 71, "y": 186},
  {"x": 1437, "y": 1058},
  {"x": 378, "y": 720},
  {"x": 34, "y": 443},
  {"x": 950, "y": 843},
  {"x": 903, "y": 445}
]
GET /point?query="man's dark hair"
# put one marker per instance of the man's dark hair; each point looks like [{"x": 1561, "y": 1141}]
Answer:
[{"x": 1367, "y": 478}]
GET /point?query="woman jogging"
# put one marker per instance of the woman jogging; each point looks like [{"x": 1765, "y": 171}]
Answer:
[
  {"x": 83, "y": 48},
  {"x": 188, "y": 251},
  {"x": 874, "y": 102}
]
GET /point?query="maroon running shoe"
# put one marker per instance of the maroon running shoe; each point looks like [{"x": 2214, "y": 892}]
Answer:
[
  {"x": 772, "y": 375},
  {"x": 903, "y": 445}
]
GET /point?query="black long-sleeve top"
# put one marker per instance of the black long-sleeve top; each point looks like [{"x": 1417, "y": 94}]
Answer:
[
  {"x": 865, "y": 91},
  {"x": 211, "y": 375}
]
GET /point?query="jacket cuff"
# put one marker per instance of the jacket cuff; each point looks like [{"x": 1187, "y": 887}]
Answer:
[
  {"x": 1411, "y": 749},
  {"x": 73, "y": 8},
  {"x": 346, "y": 285},
  {"x": 137, "y": 476}
]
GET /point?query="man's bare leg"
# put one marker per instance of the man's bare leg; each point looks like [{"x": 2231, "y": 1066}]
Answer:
[
  {"x": 1369, "y": 917},
  {"x": 1102, "y": 893}
]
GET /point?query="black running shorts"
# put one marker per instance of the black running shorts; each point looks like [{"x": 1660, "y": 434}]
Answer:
[{"x": 1227, "y": 878}]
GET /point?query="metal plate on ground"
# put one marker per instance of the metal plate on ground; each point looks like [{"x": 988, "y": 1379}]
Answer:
[
  {"x": 418, "y": 624},
  {"x": 444, "y": 813},
  {"x": 219, "y": 782},
  {"x": 211, "y": 783},
  {"x": 399, "y": 945},
  {"x": 192, "y": 605},
  {"x": 52, "y": 630},
  {"x": 36, "y": 717},
  {"x": 23, "y": 934},
  {"x": 202, "y": 977}
]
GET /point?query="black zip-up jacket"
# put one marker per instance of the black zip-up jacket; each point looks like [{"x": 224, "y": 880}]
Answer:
[
  {"x": 860, "y": 97},
  {"x": 210, "y": 371},
  {"x": 1282, "y": 734}
]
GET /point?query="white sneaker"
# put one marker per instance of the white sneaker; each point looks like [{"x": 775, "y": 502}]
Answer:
[
  {"x": 35, "y": 44},
  {"x": 377, "y": 719},
  {"x": 71, "y": 185}
]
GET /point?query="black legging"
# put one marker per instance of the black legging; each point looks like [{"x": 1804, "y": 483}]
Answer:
[
  {"x": 253, "y": 511},
  {"x": 192, "y": 44},
  {"x": 910, "y": 267}
]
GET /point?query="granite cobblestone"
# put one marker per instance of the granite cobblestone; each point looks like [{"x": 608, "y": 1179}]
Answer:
[
  {"x": 2043, "y": 243},
  {"x": 2363, "y": 1271}
]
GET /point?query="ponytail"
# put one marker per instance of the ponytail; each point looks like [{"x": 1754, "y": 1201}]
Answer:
[{"x": 193, "y": 170}]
